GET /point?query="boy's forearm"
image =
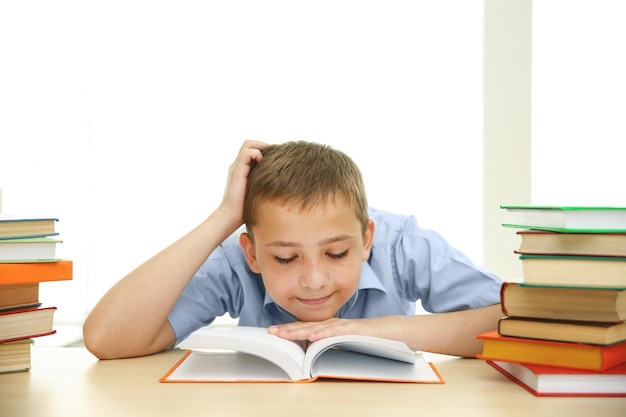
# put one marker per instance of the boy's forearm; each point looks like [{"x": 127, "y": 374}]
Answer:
[
  {"x": 131, "y": 318},
  {"x": 448, "y": 333}
]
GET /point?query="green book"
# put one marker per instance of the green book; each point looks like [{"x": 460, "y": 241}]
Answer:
[{"x": 566, "y": 219}]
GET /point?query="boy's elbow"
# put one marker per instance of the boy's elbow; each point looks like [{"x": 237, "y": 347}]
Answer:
[
  {"x": 106, "y": 343},
  {"x": 95, "y": 342},
  {"x": 103, "y": 344}
]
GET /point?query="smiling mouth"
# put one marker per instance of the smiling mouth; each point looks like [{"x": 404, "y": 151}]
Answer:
[{"x": 314, "y": 301}]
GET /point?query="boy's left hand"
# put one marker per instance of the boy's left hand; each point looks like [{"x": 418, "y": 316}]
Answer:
[{"x": 313, "y": 331}]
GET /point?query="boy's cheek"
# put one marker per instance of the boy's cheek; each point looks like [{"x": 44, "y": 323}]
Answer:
[{"x": 274, "y": 285}]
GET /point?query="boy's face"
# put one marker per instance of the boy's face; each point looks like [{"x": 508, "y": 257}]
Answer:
[{"x": 310, "y": 261}]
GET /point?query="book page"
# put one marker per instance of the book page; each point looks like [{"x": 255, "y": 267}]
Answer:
[
  {"x": 225, "y": 367},
  {"x": 252, "y": 340},
  {"x": 390, "y": 349},
  {"x": 342, "y": 364}
]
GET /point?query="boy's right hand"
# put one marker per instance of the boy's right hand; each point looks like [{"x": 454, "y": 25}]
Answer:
[{"x": 232, "y": 202}]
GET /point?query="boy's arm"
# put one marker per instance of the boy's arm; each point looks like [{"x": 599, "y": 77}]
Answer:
[
  {"x": 448, "y": 333},
  {"x": 131, "y": 318}
]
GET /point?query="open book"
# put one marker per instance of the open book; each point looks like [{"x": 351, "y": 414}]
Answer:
[{"x": 251, "y": 354}]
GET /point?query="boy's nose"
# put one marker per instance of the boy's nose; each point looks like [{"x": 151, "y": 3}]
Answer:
[{"x": 313, "y": 276}]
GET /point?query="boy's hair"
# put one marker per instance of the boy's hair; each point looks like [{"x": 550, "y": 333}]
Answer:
[{"x": 306, "y": 175}]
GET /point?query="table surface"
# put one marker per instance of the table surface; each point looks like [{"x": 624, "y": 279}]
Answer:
[{"x": 71, "y": 382}]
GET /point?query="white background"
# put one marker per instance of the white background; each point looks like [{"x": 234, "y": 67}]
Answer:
[{"x": 121, "y": 117}]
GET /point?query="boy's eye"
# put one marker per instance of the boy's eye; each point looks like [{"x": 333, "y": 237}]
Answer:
[
  {"x": 338, "y": 255},
  {"x": 284, "y": 260}
]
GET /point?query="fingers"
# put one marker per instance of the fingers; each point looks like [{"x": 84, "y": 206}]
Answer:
[
  {"x": 253, "y": 148},
  {"x": 231, "y": 207},
  {"x": 256, "y": 146},
  {"x": 313, "y": 331},
  {"x": 249, "y": 153}
]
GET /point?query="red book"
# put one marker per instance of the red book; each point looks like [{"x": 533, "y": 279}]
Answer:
[
  {"x": 26, "y": 323},
  {"x": 551, "y": 353},
  {"x": 549, "y": 381}
]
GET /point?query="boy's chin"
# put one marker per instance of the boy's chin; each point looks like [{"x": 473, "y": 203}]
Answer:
[{"x": 313, "y": 317}]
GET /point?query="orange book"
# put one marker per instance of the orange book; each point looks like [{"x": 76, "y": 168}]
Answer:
[
  {"x": 23, "y": 273},
  {"x": 544, "y": 352}
]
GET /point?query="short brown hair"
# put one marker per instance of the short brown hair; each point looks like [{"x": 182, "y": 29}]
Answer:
[{"x": 306, "y": 175}]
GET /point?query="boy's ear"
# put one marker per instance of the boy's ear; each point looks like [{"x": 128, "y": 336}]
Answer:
[
  {"x": 368, "y": 239},
  {"x": 249, "y": 252}
]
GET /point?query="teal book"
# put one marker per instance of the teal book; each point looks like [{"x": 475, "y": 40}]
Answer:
[
  {"x": 566, "y": 219},
  {"x": 12, "y": 226}
]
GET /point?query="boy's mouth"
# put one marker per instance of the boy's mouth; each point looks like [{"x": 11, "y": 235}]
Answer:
[{"x": 315, "y": 301}]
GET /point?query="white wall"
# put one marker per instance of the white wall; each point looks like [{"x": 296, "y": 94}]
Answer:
[
  {"x": 579, "y": 102},
  {"x": 572, "y": 101},
  {"x": 122, "y": 117},
  {"x": 506, "y": 127}
]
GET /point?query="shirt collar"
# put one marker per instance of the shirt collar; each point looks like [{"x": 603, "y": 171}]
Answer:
[{"x": 368, "y": 281}]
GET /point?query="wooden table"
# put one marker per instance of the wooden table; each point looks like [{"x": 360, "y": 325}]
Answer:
[{"x": 71, "y": 382}]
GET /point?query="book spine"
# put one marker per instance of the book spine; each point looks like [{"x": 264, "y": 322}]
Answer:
[{"x": 503, "y": 290}]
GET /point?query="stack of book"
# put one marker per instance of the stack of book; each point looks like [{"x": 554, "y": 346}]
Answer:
[
  {"x": 563, "y": 331},
  {"x": 27, "y": 258}
]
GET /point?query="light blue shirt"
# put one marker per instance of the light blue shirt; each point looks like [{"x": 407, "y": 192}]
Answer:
[{"x": 406, "y": 264}]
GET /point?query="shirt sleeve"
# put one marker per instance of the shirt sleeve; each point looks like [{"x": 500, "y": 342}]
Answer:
[
  {"x": 214, "y": 290},
  {"x": 429, "y": 269}
]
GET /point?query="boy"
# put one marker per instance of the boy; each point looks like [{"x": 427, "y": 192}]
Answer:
[{"x": 314, "y": 262}]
